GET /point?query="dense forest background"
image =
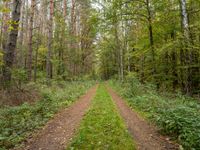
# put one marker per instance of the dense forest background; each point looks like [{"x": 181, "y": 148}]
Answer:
[
  {"x": 156, "y": 41},
  {"x": 53, "y": 51}
]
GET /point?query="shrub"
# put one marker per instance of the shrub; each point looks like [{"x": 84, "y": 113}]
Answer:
[{"x": 183, "y": 122}]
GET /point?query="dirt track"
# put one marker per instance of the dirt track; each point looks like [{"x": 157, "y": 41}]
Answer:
[
  {"x": 145, "y": 135},
  {"x": 57, "y": 133}
]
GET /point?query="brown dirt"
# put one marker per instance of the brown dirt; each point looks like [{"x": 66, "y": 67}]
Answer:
[
  {"x": 145, "y": 135},
  {"x": 58, "y": 132},
  {"x": 16, "y": 96}
]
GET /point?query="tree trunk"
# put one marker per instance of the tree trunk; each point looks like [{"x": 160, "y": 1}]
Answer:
[
  {"x": 11, "y": 44},
  {"x": 72, "y": 34},
  {"x": 185, "y": 54},
  {"x": 30, "y": 44},
  {"x": 21, "y": 36},
  {"x": 5, "y": 26},
  {"x": 50, "y": 40},
  {"x": 185, "y": 24},
  {"x": 64, "y": 9},
  {"x": 151, "y": 39},
  {"x": 36, "y": 62}
]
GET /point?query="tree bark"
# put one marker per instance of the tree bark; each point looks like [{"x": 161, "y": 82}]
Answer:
[
  {"x": 50, "y": 40},
  {"x": 11, "y": 44},
  {"x": 185, "y": 24},
  {"x": 30, "y": 44},
  {"x": 5, "y": 26},
  {"x": 21, "y": 36},
  {"x": 64, "y": 9},
  {"x": 151, "y": 39},
  {"x": 185, "y": 54}
]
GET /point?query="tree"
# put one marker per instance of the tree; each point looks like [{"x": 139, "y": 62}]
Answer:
[
  {"x": 159, "y": 42},
  {"x": 11, "y": 43},
  {"x": 30, "y": 44},
  {"x": 66, "y": 39},
  {"x": 50, "y": 40}
]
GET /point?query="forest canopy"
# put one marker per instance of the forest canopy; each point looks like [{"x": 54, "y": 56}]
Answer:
[{"x": 68, "y": 39}]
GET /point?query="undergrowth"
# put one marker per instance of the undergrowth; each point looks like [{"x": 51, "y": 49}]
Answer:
[
  {"x": 177, "y": 116},
  {"x": 18, "y": 95},
  {"x": 17, "y": 123},
  {"x": 102, "y": 127}
]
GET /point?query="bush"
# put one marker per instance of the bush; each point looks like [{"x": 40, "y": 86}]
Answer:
[
  {"x": 183, "y": 122},
  {"x": 19, "y": 77}
]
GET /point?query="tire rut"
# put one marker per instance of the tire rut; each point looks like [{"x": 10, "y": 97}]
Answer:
[
  {"x": 145, "y": 135},
  {"x": 58, "y": 132}
]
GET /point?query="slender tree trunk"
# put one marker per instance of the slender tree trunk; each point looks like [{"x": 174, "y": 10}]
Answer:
[
  {"x": 142, "y": 68},
  {"x": 50, "y": 40},
  {"x": 11, "y": 44},
  {"x": 5, "y": 26},
  {"x": 3, "y": 23},
  {"x": 121, "y": 64},
  {"x": 30, "y": 44},
  {"x": 36, "y": 62},
  {"x": 186, "y": 55},
  {"x": 185, "y": 24},
  {"x": 65, "y": 9},
  {"x": 37, "y": 48},
  {"x": 117, "y": 49},
  {"x": 72, "y": 33},
  {"x": 26, "y": 33},
  {"x": 61, "y": 51},
  {"x": 151, "y": 39},
  {"x": 21, "y": 36},
  {"x": 1, "y": 33}
]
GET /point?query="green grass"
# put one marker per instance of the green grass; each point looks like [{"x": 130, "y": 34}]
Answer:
[
  {"x": 177, "y": 116},
  {"x": 102, "y": 128},
  {"x": 16, "y": 123}
]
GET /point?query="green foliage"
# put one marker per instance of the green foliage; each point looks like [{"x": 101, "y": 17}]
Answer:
[
  {"x": 133, "y": 85},
  {"x": 19, "y": 76},
  {"x": 16, "y": 123},
  {"x": 177, "y": 116},
  {"x": 183, "y": 122},
  {"x": 1, "y": 58},
  {"x": 102, "y": 127},
  {"x": 151, "y": 37},
  {"x": 4, "y": 9}
]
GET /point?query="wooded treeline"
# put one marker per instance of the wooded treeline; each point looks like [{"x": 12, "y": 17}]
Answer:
[
  {"x": 46, "y": 39},
  {"x": 67, "y": 39},
  {"x": 159, "y": 40}
]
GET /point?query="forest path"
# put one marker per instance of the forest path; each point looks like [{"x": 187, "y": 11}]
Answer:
[
  {"x": 57, "y": 133},
  {"x": 145, "y": 135}
]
